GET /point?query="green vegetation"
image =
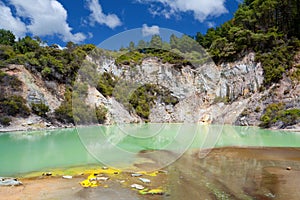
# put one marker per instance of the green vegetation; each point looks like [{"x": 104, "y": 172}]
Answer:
[
  {"x": 14, "y": 106},
  {"x": 106, "y": 84},
  {"x": 136, "y": 57},
  {"x": 225, "y": 100},
  {"x": 53, "y": 63},
  {"x": 270, "y": 28},
  {"x": 5, "y": 121},
  {"x": 40, "y": 109},
  {"x": 7, "y": 37},
  {"x": 130, "y": 58},
  {"x": 75, "y": 110},
  {"x": 144, "y": 97},
  {"x": 9, "y": 84},
  {"x": 101, "y": 113},
  {"x": 276, "y": 112},
  {"x": 64, "y": 112},
  {"x": 11, "y": 104},
  {"x": 295, "y": 75}
]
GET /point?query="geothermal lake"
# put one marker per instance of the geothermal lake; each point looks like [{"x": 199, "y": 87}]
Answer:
[{"x": 121, "y": 146}]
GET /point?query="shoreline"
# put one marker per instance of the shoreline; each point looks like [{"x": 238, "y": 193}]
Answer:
[{"x": 21, "y": 128}]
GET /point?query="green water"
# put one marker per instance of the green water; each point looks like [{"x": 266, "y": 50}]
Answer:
[{"x": 23, "y": 152}]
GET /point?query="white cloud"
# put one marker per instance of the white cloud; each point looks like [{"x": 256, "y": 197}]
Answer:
[
  {"x": 150, "y": 30},
  {"x": 97, "y": 15},
  {"x": 11, "y": 23},
  {"x": 43, "y": 17},
  {"x": 202, "y": 9},
  {"x": 211, "y": 24}
]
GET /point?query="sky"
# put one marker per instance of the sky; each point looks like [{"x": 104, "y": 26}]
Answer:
[{"x": 97, "y": 21}]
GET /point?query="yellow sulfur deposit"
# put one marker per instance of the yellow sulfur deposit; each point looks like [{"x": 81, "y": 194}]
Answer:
[
  {"x": 149, "y": 173},
  {"x": 152, "y": 191},
  {"x": 91, "y": 181}
]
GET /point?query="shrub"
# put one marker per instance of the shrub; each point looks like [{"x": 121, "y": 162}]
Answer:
[
  {"x": 107, "y": 83},
  {"x": 13, "y": 106},
  {"x": 40, "y": 109},
  {"x": 64, "y": 112},
  {"x": 219, "y": 99},
  {"x": 5, "y": 121},
  {"x": 101, "y": 112},
  {"x": 46, "y": 72},
  {"x": 290, "y": 117},
  {"x": 276, "y": 112},
  {"x": 257, "y": 109},
  {"x": 144, "y": 97},
  {"x": 8, "y": 82}
]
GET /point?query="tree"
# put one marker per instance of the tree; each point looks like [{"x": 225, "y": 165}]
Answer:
[
  {"x": 166, "y": 46},
  {"x": 199, "y": 38},
  {"x": 131, "y": 46},
  {"x": 71, "y": 45},
  {"x": 156, "y": 42},
  {"x": 174, "y": 42},
  {"x": 26, "y": 44},
  {"x": 6, "y": 52},
  {"x": 186, "y": 44},
  {"x": 40, "y": 109},
  {"x": 7, "y": 37},
  {"x": 141, "y": 44}
]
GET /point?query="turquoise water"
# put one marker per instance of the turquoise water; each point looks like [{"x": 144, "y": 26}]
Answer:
[{"x": 23, "y": 152}]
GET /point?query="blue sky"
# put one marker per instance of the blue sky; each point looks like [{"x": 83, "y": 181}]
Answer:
[{"x": 94, "y": 21}]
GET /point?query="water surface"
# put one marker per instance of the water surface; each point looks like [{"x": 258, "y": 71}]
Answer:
[{"x": 23, "y": 152}]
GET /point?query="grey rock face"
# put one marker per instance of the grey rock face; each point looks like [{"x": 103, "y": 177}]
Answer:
[{"x": 195, "y": 87}]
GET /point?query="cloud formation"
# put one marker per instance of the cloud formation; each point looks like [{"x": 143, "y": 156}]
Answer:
[
  {"x": 97, "y": 15},
  {"x": 11, "y": 23},
  {"x": 202, "y": 9},
  {"x": 149, "y": 30},
  {"x": 47, "y": 17}
]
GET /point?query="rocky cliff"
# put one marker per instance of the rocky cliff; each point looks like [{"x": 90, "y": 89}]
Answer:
[{"x": 230, "y": 93}]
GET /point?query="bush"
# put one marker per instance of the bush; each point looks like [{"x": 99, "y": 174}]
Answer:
[
  {"x": 257, "y": 109},
  {"x": 136, "y": 57},
  {"x": 46, "y": 72},
  {"x": 9, "y": 83},
  {"x": 14, "y": 106},
  {"x": 290, "y": 117},
  {"x": 5, "y": 121},
  {"x": 107, "y": 83},
  {"x": 144, "y": 97},
  {"x": 276, "y": 112},
  {"x": 101, "y": 112},
  {"x": 64, "y": 112},
  {"x": 219, "y": 99},
  {"x": 40, "y": 109}
]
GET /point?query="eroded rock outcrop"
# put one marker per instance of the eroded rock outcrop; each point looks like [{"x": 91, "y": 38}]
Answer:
[{"x": 204, "y": 92}]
